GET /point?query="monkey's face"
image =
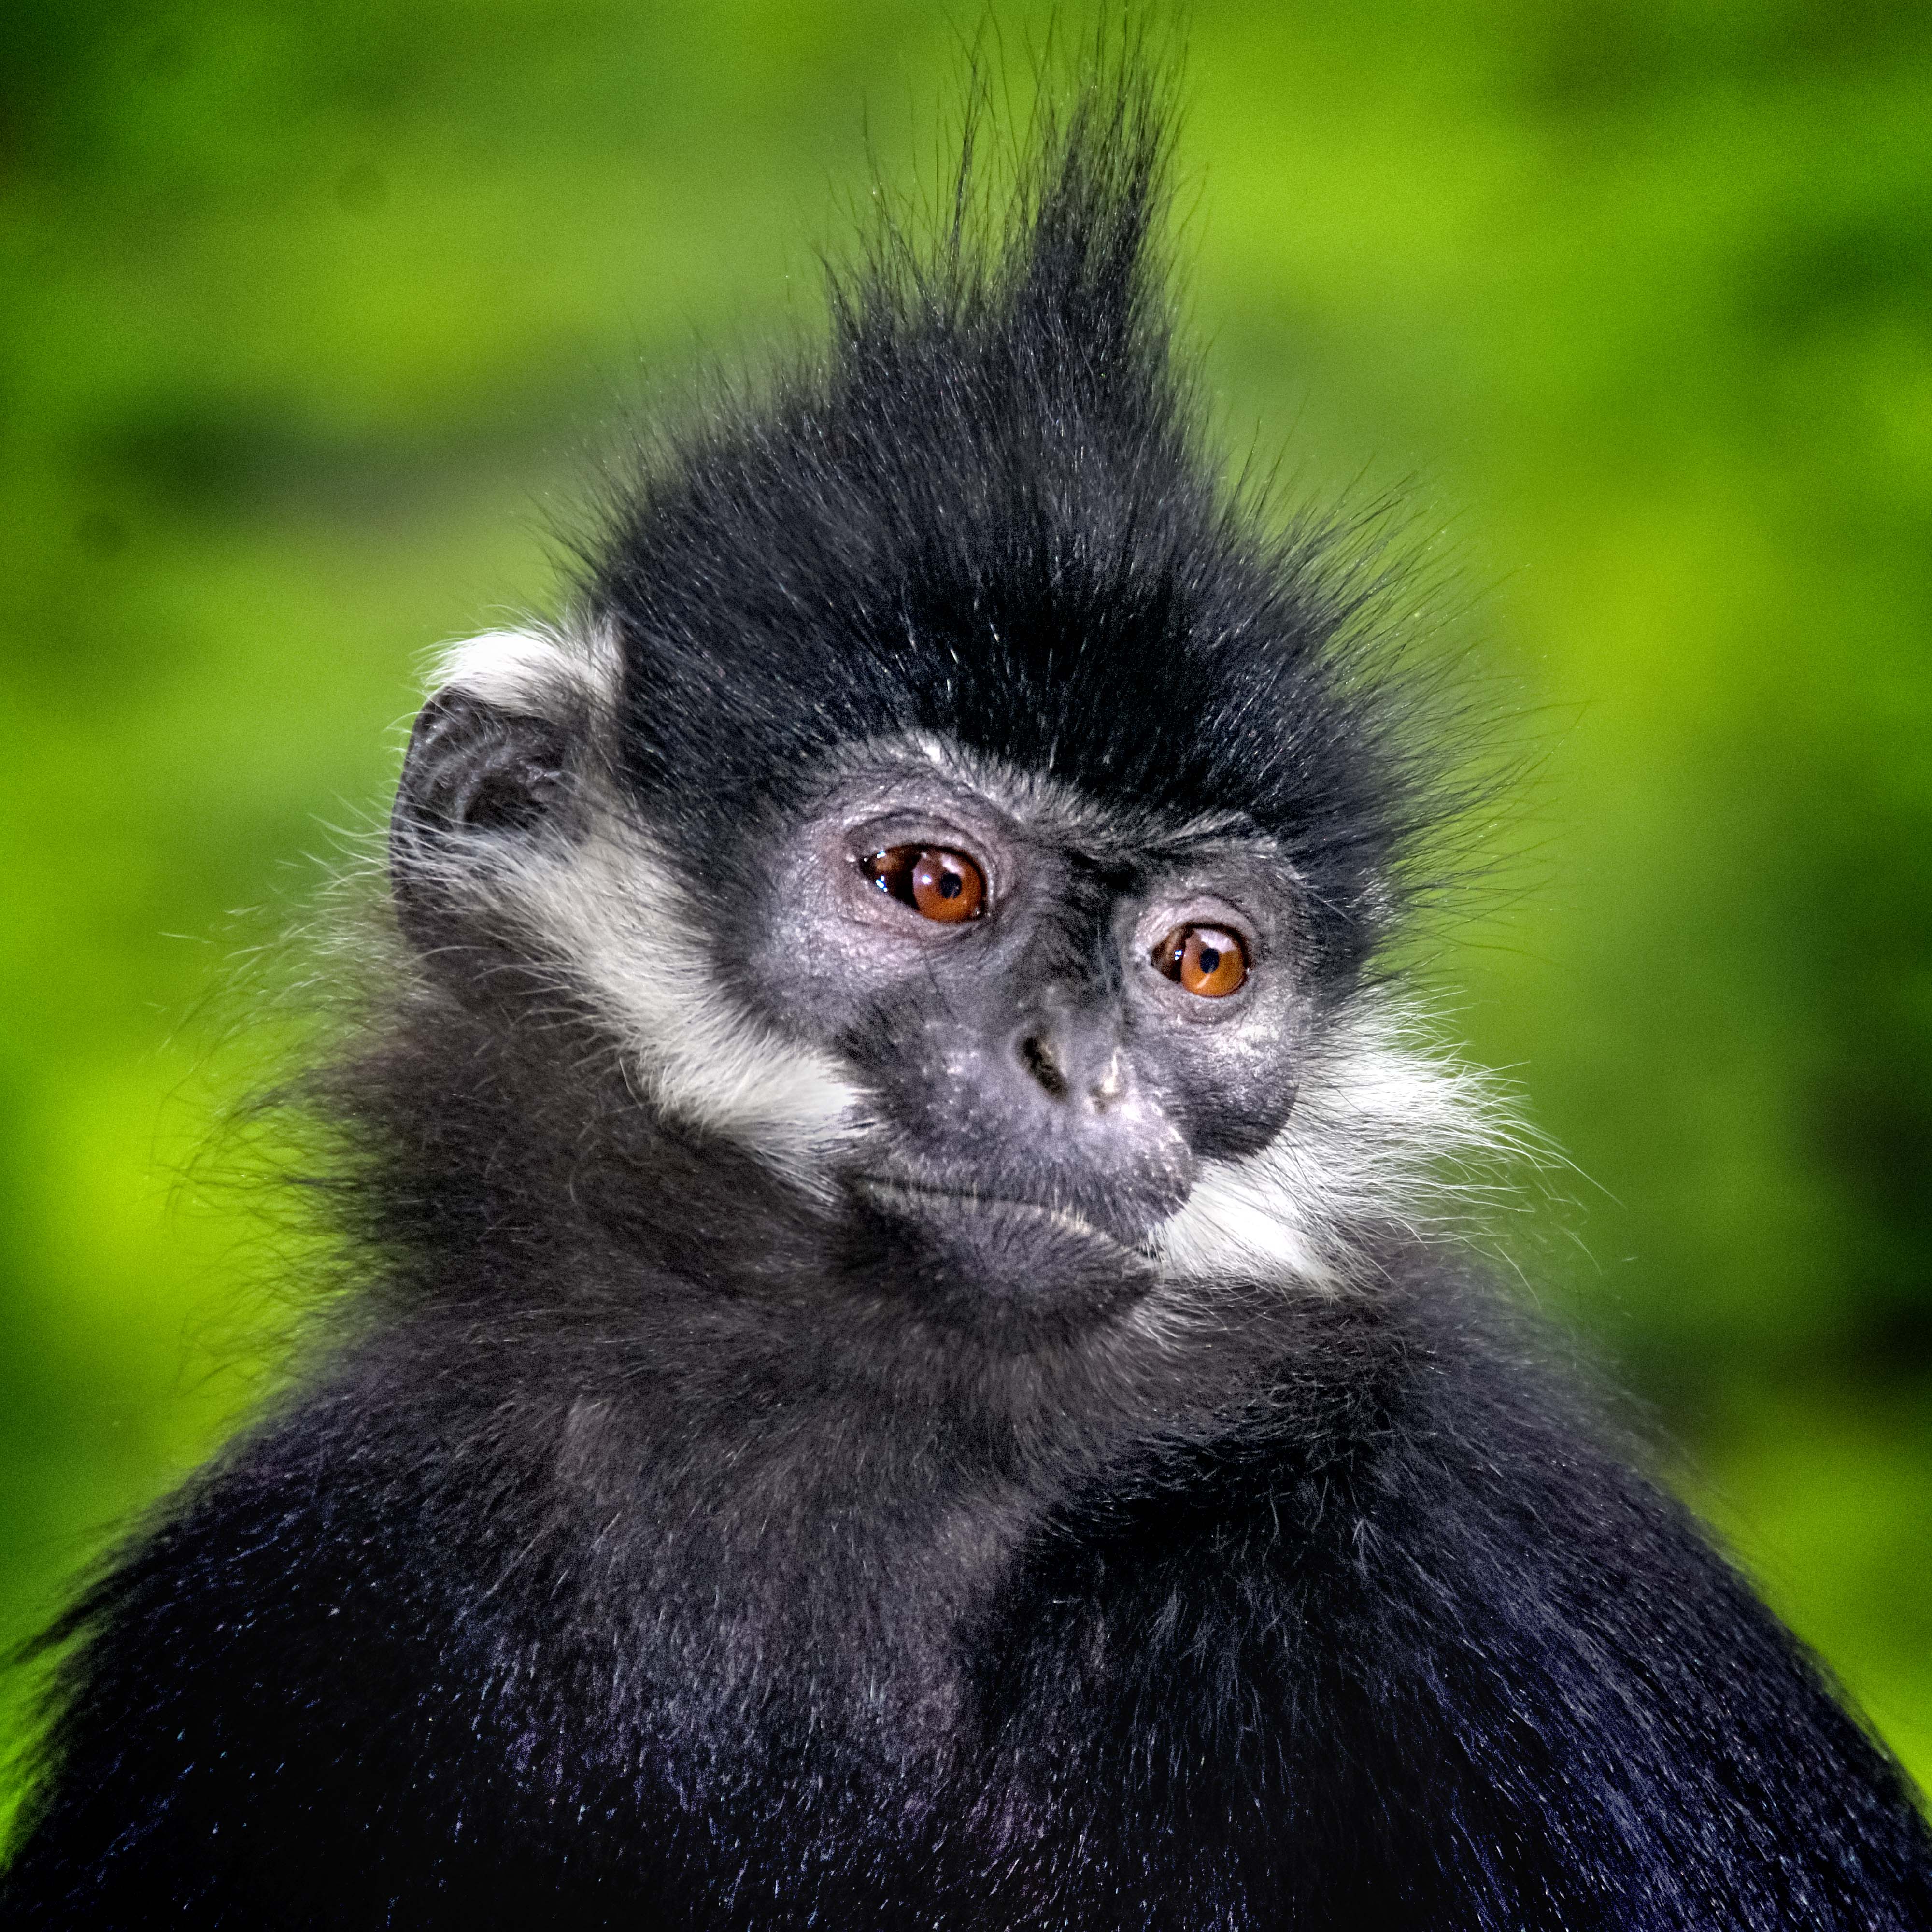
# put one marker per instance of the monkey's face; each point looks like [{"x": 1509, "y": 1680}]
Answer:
[{"x": 1050, "y": 1015}]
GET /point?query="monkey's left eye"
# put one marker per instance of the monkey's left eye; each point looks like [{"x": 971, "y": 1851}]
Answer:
[
  {"x": 1208, "y": 960},
  {"x": 940, "y": 885}
]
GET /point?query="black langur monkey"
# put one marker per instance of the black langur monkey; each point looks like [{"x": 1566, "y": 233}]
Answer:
[{"x": 905, "y": 1379}]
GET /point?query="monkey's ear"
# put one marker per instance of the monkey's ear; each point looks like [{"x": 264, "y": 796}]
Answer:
[{"x": 477, "y": 776}]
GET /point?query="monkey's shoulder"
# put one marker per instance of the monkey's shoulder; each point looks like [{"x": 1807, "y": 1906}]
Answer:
[{"x": 1422, "y": 1599}]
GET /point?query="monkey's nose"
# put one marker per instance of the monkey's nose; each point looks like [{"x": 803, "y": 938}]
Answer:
[{"x": 1089, "y": 1072}]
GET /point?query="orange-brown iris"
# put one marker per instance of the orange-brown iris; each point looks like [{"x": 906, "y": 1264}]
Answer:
[
  {"x": 943, "y": 886},
  {"x": 1208, "y": 960}
]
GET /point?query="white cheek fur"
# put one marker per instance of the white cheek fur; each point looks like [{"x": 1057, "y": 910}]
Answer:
[
  {"x": 1387, "y": 1127},
  {"x": 611, "y": 917},
  {"x": 613, "y": 913}
]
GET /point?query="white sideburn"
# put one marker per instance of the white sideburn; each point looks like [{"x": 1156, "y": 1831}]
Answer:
[
  {"x": 605, "y": 908},
  {"x": 1387, "y": 1127}
]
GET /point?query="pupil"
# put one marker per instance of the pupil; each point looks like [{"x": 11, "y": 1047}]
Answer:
[
  {"x": 950, "y": 884},
  {"x": 1210, "y": 959}
]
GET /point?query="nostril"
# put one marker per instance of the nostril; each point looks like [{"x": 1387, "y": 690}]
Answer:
[{"x": 1036, "y": 1057}]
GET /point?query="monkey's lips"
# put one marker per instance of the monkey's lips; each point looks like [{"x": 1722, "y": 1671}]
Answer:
[{"x": 967, "y": 1209}]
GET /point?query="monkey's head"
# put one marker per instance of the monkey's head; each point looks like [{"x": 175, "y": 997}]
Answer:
[{"x": 947, "y": 791}]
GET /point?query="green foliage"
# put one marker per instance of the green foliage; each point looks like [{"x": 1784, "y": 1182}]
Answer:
[{"x": 308, "y": 314}]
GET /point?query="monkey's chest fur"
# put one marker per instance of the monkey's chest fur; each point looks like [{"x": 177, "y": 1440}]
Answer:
[
  {"x": 796, "y": 1631},
  {"x": 809, "y": 1567}
]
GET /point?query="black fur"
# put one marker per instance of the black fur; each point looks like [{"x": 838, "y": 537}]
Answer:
[
  {"x": 653, "y": 1551},
  {"x": 989, "y": 515}
]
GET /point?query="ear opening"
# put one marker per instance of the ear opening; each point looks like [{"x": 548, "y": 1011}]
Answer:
[{"x": 478, "y": 776}]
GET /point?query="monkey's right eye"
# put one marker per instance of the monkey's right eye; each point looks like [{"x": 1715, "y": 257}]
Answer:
[{"x": 940, "y": 885}]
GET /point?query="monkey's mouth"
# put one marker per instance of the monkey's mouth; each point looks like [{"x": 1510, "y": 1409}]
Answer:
[{"x": 929, "y": 1202}]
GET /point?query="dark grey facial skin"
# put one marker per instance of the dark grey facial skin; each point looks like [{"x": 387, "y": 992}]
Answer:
[{"x": 1044, "y": 1093}]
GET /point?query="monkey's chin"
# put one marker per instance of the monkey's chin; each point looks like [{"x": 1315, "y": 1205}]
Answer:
[{"x": 1014, "y": 1270}]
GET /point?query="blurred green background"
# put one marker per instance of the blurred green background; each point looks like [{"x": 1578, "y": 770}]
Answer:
[{"x": 308, "y": 315}]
